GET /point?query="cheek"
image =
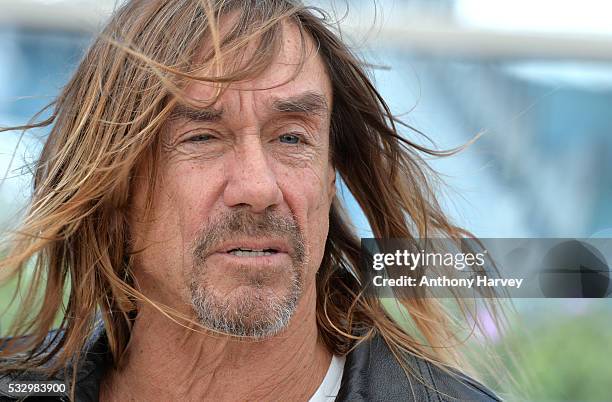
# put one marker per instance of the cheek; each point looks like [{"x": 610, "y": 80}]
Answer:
[
  {"x": 155, "y": 238},
  {"x": 188, "y": 197},
  {"x": 307, "y": 195},
  {"x": 165, "y": 236}
]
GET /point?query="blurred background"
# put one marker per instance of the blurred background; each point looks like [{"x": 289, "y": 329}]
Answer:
[{"x": 535, "y": 77}]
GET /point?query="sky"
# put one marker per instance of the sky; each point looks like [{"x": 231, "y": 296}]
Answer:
[{"x": 554, "y": 16}]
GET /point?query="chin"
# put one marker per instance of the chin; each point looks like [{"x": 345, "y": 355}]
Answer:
[{"x": 255, "y": 308}]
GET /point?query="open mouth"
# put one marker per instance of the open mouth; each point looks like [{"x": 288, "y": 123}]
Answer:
[{"x": 247, "y": 252}]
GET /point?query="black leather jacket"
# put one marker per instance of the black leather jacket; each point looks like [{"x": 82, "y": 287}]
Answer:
[{"x": 371, "y": 373}]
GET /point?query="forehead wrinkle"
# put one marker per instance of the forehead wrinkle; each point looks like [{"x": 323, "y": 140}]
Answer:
[{"x": 313, "y": 101}]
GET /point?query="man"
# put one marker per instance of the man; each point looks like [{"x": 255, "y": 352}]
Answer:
[{"x": 186, "y": 197}]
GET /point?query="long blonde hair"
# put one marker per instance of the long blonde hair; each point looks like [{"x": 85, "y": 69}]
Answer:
[{"x": 105, "y": 124}]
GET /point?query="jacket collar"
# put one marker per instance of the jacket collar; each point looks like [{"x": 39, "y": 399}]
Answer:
[{"x": 371, "y": 372}]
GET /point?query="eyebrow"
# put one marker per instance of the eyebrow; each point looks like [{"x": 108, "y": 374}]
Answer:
[
  {"x": 309, "y": 103},
  {"x": 208, "y": 114}
]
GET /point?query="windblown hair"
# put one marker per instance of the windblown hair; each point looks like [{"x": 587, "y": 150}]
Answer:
[{"x": 105, "y": 124}]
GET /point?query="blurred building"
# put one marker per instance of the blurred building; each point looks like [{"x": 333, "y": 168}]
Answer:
[
  {"x": 535, "y": 81},
  {"x": 534, "y": 76}
]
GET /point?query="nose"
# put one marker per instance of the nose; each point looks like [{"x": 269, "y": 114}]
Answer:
[{"x": 250, "y": 180}]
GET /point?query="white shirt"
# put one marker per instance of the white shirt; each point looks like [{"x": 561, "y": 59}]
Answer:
[{"x": 330, "y": 386}]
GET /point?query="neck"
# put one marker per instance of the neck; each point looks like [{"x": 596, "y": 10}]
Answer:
[{"x": 166, "y": 361}]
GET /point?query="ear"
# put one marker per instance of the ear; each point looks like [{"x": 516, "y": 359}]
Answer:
[{"x": 332, "y": 184}]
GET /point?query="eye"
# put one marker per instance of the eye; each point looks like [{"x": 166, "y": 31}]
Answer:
[
  {"x": 200, "y": 137},
  {"x": 289, "y": 138}
]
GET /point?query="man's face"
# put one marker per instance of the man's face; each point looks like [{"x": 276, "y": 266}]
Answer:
[{"x": 241, "y": 208}]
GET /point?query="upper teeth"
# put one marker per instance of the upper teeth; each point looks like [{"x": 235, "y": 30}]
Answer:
[{"x": 250, "y": 253}]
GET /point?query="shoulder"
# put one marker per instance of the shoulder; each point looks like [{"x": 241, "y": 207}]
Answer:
[
  {"x": 10, "y": 376},
  {"x": 372, "y": 373},
  {"x": 90, "y": 368}
]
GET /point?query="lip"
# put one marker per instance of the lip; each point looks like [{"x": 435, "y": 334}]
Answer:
[
  {"x": 280, "y": 246},
  {"x": 270, "y": 262}
]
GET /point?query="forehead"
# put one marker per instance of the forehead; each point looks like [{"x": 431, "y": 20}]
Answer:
[{"x": 296, "y": 68}]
